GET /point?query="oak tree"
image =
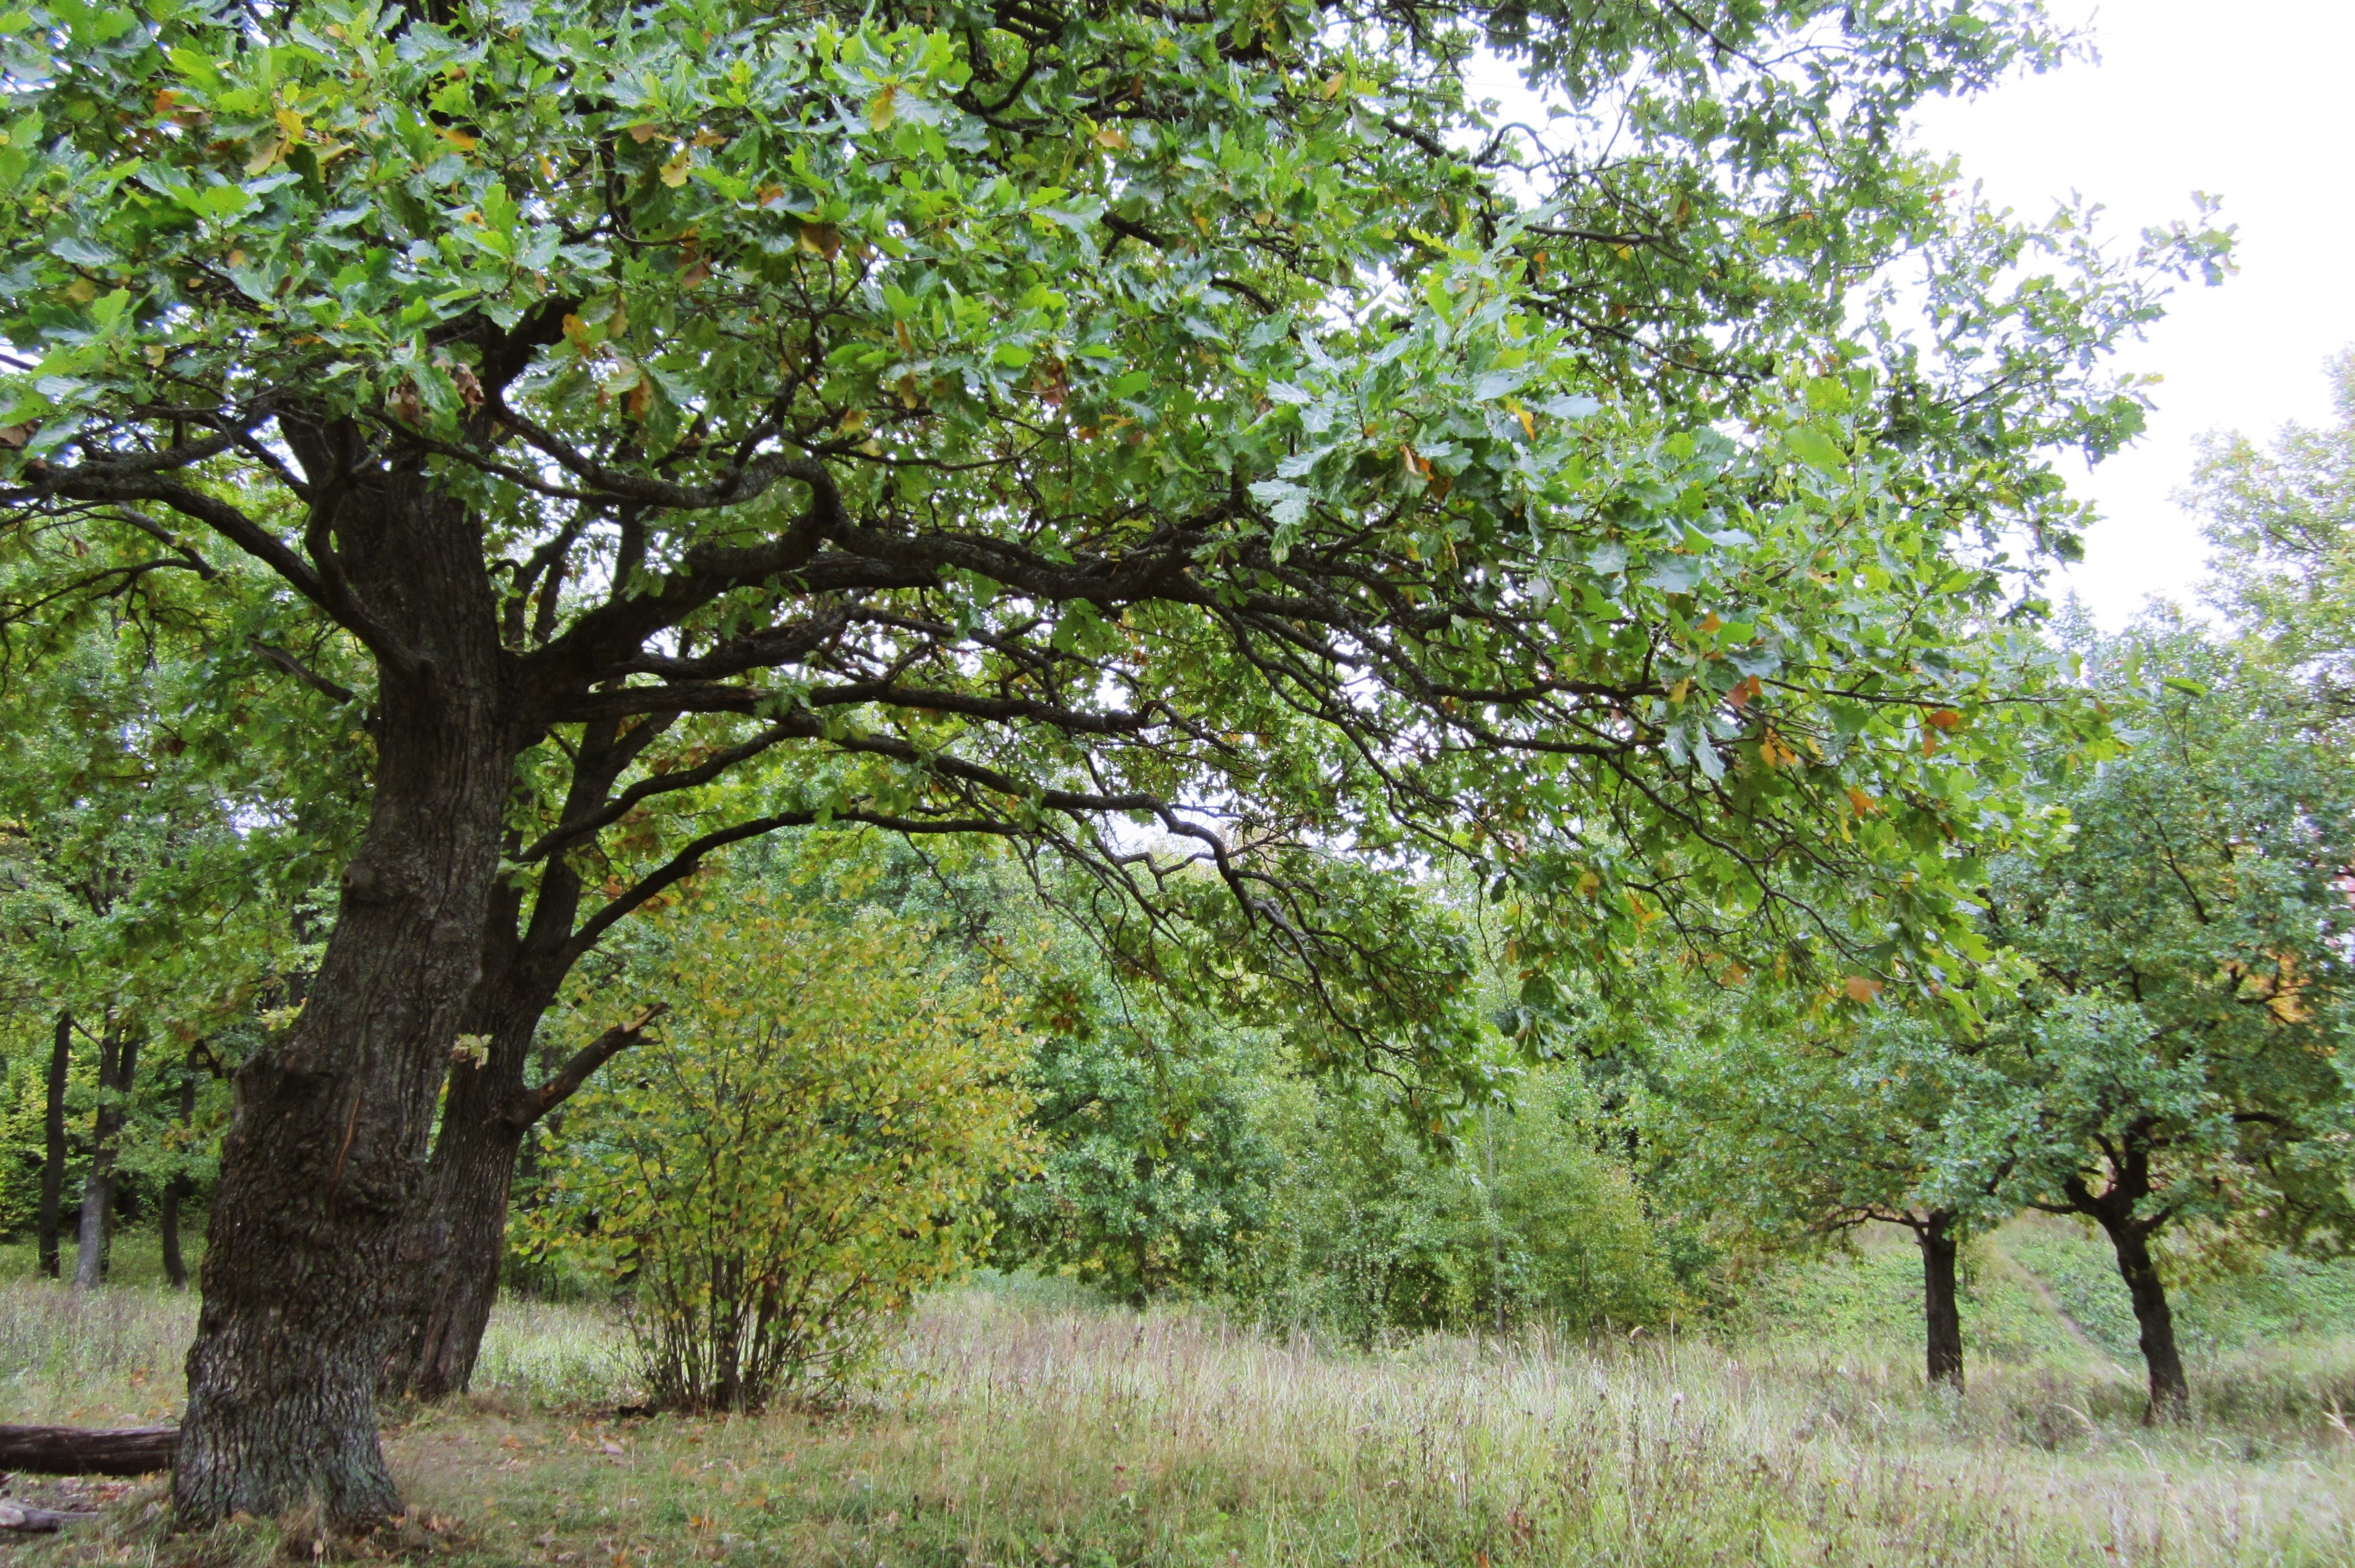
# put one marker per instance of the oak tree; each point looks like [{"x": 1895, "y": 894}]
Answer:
[{"x": 2170, "y": 1061}]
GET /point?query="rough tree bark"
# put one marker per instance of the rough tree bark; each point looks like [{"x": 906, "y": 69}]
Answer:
[
  {"x": 118, "y": 1062},
  {"x": 458, "y": 1235},
  {"x": 451, "y": 1258},
  {"x": 326, "y": 1146},
  {"x": 53, "y": 1158},
  {"x": 1941, "y": 1312}
]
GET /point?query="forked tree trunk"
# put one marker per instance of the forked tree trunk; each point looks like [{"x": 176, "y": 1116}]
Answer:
[
  {"x": 458, "y": 1233},
  {"x": 53, "y": 1156},
  {"x": 1941, "y": 1319},
  {"x": 326, "y": 1146},
  {"x": 2170, "y": 1391},
  {"x": 118, "y": 1063}
]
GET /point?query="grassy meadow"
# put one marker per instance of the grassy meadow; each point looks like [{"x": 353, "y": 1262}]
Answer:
[{"x": 1019, "y": 1423}]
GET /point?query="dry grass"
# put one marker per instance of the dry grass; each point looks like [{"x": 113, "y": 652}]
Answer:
[{"x": 1028, "y": 1430}]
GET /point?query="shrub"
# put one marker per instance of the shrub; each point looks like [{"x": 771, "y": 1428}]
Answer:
[
  {"x": 808, "y": 1143},
  {"x": 1156, "y": 1174}
]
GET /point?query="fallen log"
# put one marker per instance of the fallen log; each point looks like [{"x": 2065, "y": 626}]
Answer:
[
  {"x": 88, "y": 1450},
  {"x": 29, "y": 1520}
]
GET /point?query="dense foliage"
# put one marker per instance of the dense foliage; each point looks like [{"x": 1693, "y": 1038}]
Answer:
[
  {"x": 1188, "y": 432},
  {"x": 1533, "y": 1225},
  {"x": 1157, "y": 1170}
]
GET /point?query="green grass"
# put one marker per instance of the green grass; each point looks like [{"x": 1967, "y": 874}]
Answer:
[{"x": 1020, "y": 1423}]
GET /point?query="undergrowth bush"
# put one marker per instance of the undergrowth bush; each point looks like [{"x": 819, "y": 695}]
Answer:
[{"x": 806, "y": 1146}]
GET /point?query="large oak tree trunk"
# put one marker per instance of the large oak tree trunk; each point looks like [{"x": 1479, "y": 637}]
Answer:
[
  {"x": 2170, "y": 1391},
  {"x": 326, "y": 1145},
  {"x": 1942, "y": 1318},
  {"x": 53, "y": 1159}
]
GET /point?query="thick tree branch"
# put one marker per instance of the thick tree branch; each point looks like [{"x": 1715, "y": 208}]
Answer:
[
  {"x": 568, "y": 1080},
  {"x": 303, "y": 673}
]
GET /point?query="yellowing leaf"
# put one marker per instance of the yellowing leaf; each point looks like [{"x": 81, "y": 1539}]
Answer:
[
  {"x": 674, "y": 173},
  {"x": 1861, "y": 988},
  {"x": 885, "y": 106}
]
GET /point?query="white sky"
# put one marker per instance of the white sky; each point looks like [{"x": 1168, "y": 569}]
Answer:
[{"x": 2251, "y": 101}]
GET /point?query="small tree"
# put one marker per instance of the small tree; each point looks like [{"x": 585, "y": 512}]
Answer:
[
  {"x": 2174, "y": 1056},
  {"x": 1373, "y": 1230},
  {"x": 1797, "y": 1136},
  {"x": 1155, "y": 1175},
  {"x": 808, "y": 1144}
]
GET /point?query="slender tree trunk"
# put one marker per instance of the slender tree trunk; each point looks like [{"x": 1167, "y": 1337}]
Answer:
[
  {"x": 1942, "y": 1318},
  {"x": 326, "y": 1146},
  {"x": 457, "y": 1236},
  {"x": 457, "y": 1239},
  {"x": 118, "y": 1061},
  {"x": 175, "y": 1190},
  {"x": 53, "y": 1158},
  {"x": 2170, "y": 1391}
]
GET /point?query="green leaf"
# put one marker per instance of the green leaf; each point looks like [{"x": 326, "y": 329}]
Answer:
[{"x": 1815, "y": 448}]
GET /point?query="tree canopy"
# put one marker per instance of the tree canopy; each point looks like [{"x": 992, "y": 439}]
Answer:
[
  {"x": 1028, "y": 419},
  {"x": 2283, "y": 522}
]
